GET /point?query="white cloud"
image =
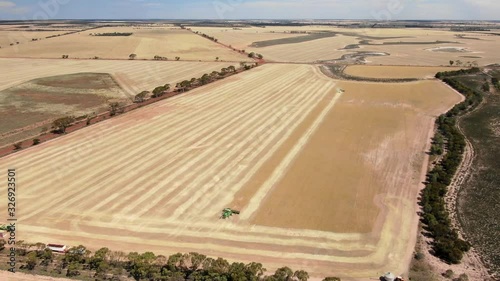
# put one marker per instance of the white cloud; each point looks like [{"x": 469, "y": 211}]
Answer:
[
  {"x": 9, "y": 7},
  {"x": 7, "y": 4}
]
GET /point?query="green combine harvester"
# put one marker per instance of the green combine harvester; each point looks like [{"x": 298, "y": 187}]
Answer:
[
  {"x": 6, "y": 228},
  {"x": 227, "y": 212}
]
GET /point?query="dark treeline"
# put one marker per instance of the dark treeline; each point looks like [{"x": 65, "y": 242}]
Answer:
[
  {"x": 113, "y": 34},
  {"x": 447, "y": 245},
  {"x": 473, "y": 70},
  {"x": 105, "y": 264}
]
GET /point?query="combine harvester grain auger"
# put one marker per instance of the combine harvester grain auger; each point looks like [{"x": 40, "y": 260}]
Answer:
[{"x": 227, "y": 212}]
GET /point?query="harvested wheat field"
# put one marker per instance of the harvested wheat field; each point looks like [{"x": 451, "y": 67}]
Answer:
[
  {"x": 393, "y": 46},
  {"x": 145, "y": 42},
  {"x": 276, "y": 142},
  {"x": 309, "y": 51},
  {"x": 18, "y": 38},
  {"x": 132, "y": 76},
  {"x": 241, "y": 38},
  {"x": 395, "y": 72}
]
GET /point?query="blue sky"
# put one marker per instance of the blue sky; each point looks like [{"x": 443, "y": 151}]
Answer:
[{"x": 250, "y": 9}]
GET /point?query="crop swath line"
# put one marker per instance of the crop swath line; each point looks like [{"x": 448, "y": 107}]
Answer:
[
  {"x": 286, "y": 129},
  {"x": 180, "y": 166},
  {"x": 283, "y": 166},
  {"x": 216, "y": 154},
  {"x": 229, "y": 140},
  {"x": 141, "y": 131}
]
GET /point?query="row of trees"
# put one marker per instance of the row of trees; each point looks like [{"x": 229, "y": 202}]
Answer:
[
  {"x": 255, "y": 55},
  {"x": 473, "y": 70},
  {"x": 461, "y": 63},
  {"x": 112, "y": 34},
  {"x": 186, "y": 84},
  {"x": 446, "y": 243},
  {"x": 148, "y": 266},
  {"x": 208, "y": 36},
  {"x": 160, "y": 58}
]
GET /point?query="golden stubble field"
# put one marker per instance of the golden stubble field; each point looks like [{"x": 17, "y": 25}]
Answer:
[
  {"x": 8, "y": 37},
  {"x": 146, "y": 42},
  {"x": 132, "y": 76},
  {"x": 396, "y": 72},
  {"x": 277, "y": 142},
  {"x": 414, "y": 46}
]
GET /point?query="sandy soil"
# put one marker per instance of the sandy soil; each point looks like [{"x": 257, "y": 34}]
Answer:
[
  {"x": 177, "y": 163},
  {"x": 133, "y": 76},
  {"x": 7, "y": 276},
  {"x": 146, "y": 42},
  {"x": 396, "y": 72}
]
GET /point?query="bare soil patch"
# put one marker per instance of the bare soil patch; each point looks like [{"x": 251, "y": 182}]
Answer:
[{"x": 42, "y": 100}]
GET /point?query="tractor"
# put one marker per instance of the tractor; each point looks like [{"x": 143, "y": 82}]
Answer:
[{"x": 227, "y": 212}]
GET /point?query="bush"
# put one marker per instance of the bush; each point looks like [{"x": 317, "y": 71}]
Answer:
[
  {"x": 419, "y": 256},
  {"x": 449, "y": 273},
  {"x": 18, "y": 145},
  {"x": 36, "y": 141},
  {"x": 462, "y": 277}
]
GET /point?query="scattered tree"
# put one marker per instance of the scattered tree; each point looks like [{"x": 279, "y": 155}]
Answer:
[
  {"x": 60, "y": 125},
  {"x": 132, "y": 56},
  {"x": 114, "y": 108},
  {"x": 301, "y": 275},
  {"x": 486, "y": 87},
  {"x": 449, "y": 274},
  {"x": 462, "y": 277},
  {"x": 177, "y": 58},
  {"x": 160, "y": 91},
  {"x": 141, "y": 96},
  {"x": 36, "y": 141},
  {"x": 32, "y": 261},
  {"x": 452, "y": 62},
  {"x": 18, "y": 145}
]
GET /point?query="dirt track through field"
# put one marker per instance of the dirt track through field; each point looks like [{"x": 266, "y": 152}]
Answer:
[{"x": 157, "y": 178}]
